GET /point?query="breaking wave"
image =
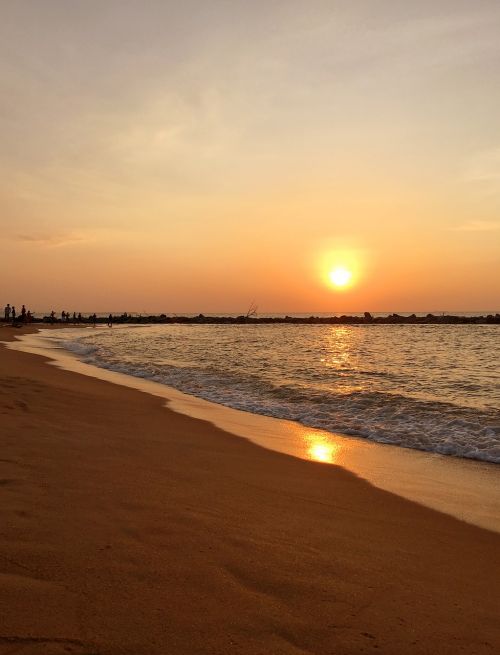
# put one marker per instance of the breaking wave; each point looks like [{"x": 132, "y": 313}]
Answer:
[{"x": 377, "y": 403}]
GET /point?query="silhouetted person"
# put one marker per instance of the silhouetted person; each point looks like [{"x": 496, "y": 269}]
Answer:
[
  {"x": 74, "y": 317},
  {"x": 79, "y": 317},
  {"x": 52, "y": 316},
  {"x": 110, "y": 320},
  {"x": 94, "y": 320},
  {"x": 23, "y": 314},
  {"x": 7, "y": 311},
  {"x": 13, "y": 314}
]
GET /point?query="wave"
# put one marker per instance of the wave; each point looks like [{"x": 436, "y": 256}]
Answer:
[
  {"x": 79, "y": 348},
  {"x": 390, "y": 418}
]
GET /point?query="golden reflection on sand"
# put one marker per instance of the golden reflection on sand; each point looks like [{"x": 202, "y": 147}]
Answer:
[{"x": 322, "y": 450}]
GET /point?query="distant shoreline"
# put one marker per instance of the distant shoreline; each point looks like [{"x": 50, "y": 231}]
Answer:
[{"x": 366, "y": 319}]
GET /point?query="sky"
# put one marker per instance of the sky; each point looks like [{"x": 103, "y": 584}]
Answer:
[{"x": 159, "y": 156}]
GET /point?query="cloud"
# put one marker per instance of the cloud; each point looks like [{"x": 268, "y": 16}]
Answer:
[
  {"x": 477, "y": 226},
  {"x": 485, "y": 166},
  {"x": 49, "y": 240}
]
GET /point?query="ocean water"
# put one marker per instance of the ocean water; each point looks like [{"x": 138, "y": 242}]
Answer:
[{"x": 428, "y": 387}]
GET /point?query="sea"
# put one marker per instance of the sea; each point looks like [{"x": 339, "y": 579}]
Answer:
[{"x": 432, "y": 388}]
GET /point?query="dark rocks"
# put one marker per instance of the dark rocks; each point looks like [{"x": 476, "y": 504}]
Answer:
[{"x": 366, "y": 319}]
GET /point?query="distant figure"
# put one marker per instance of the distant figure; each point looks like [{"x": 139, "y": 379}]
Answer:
[
  {"x": 110, "y": 320},
  {"x": 13, "y": 314},
  {"x": 94, "y": 319},
  {"x": 79, "y": 317},
  {"x": 74, "y": 317},
  {"x": 7, "y": 311},
  {"x": 52, "y": 316},
  {"x": 23, "y": 314},
  {"x": 63, "y": 315}
]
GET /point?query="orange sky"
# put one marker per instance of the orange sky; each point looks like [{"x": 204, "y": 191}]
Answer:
[{"x": 196, "y": 158}]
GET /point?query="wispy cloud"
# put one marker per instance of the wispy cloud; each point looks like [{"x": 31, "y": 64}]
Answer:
[
  {"x": 477, "y": 226},
  {"x": 485, "y": 166},
  {"x": 48, "y": 240}
]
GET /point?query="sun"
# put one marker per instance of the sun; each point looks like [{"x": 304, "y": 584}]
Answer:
[
  {"x": 341, "y": 270},
  {"x": 340, "y": 277}
]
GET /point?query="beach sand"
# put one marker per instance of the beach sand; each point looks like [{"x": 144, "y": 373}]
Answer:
[{"x": 126, "y": 528}]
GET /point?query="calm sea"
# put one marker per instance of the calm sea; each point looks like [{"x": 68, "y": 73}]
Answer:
[{"x": 429, "y": 387}]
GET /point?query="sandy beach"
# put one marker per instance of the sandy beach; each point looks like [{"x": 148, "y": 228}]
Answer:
[{"x": 127, "y": 528}]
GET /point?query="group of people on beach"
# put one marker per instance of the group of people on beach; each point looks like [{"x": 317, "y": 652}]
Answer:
[
  {"x": 66, "y": 318},
  {"x": 10, "y": 314},
  {"x": 26, "y": 316},
  {"x": 78, "y": 318}
]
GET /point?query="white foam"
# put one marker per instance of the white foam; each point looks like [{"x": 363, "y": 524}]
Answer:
[{"x": 222, "y": 377}]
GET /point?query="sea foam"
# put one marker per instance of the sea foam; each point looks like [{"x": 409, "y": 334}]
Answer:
[{"x": 355, "y": 390}]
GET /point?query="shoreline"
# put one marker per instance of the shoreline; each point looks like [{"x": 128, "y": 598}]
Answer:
[
  {"x": 129, "y": 528},
  {"x": 467, "y": 489},
  {"x": 363, "y": 318}
]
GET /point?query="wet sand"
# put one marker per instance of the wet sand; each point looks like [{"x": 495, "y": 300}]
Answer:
[{"x": 128, "y": 528}]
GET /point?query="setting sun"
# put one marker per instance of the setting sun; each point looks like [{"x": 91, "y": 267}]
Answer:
[
  {"x": 341, "y": 268},
  {"x": 340, "y": 277}
]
